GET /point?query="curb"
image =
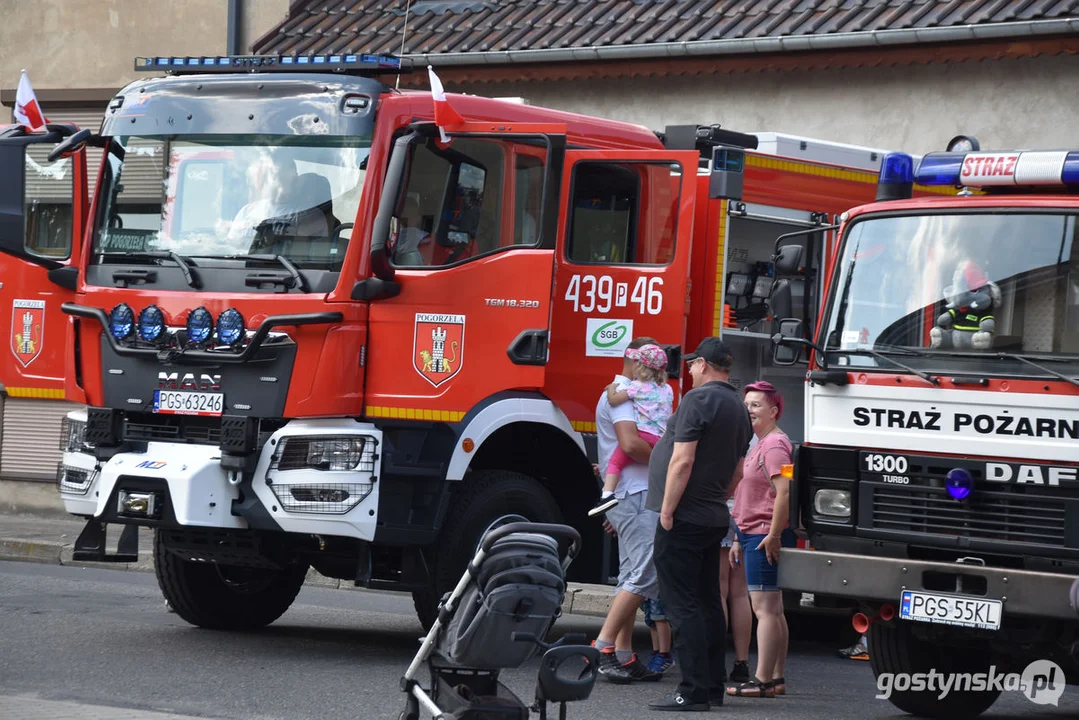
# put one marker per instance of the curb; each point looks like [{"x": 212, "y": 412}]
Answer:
[{"x": 589, "y": 600}]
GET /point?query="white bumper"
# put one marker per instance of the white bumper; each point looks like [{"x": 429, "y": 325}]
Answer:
[{"x": 198, "y": 491}]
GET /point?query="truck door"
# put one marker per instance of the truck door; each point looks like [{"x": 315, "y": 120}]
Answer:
[
  {"x": 621, "y": 268},
  {"x": 465, "y": 245},
  {"x": 43, "y": 208}
]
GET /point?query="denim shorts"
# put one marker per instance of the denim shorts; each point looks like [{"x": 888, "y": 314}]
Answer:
[
  {"x": 760, "y": 574},
  {"x": 653, "y": 610}
]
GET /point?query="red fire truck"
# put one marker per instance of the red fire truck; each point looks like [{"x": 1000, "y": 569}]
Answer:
[
  {"x": 938, "y": 478},
  {"x": 309, "y": 332}
]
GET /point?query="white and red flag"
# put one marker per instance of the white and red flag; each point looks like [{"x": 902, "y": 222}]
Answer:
[
  {"x": 27, "y": 111},
  {"x": 445, "y": 115}
]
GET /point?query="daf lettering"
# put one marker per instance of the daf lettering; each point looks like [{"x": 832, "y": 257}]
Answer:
[
  {"x": 189, "y": 381},
  {"x": 1030, "y": 474}
]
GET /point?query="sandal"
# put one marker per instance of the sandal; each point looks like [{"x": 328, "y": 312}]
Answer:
[
  {"x": 753, "y": 688},
  {"x": 780, "y": 685}
]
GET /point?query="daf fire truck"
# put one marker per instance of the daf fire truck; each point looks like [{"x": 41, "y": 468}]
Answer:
[
  {"x": 310, "y": 331},
  {"x": 938, "y": 479}
]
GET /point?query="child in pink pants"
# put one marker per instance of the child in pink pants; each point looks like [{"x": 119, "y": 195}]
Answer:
[{"x": 653, "y": 400}]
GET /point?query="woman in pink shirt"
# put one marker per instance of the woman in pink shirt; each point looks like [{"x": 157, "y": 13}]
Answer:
[{"x": 761, "y": 514}]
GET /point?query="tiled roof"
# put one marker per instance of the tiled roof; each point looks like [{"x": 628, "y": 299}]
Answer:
[{"x": 440, "y": 27}]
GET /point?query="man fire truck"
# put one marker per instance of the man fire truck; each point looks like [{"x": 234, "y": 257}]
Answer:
[
  {"x": 938, "y": 481},
  {"x": 309, "y": 332}
]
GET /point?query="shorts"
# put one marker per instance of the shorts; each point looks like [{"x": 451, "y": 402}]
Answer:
[
  {"x": 636, "y": 529},
  {"x": 732, "y": 531},
  {"x": 653, "y": 611},
  {"x": 760, "y": 574}
]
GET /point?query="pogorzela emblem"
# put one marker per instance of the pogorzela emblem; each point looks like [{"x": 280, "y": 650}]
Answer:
[
  {"x": 27, "y": 329},
  {"x": 438, "y": 346}
]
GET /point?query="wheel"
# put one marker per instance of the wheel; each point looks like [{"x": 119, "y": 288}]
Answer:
[
  {"x": 490, "y": 498},
  {"x": 894, "y": 649},
  {"x": 224, "y": 597}
]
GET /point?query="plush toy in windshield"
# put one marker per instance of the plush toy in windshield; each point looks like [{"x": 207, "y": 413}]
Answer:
[{"x": 968, "y": 320}]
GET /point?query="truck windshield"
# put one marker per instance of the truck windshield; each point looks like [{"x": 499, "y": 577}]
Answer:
[
  {"x": 231, "y": 196},
  {"x": 972, "y": 293}
]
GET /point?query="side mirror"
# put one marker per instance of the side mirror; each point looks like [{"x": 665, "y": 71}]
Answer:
[
  {"x": 780, "y": 301},
  {"x": 788, "y": 342},
  {"x": 73, "y": 143},
  {"x": 374, "y": 288},
  {"x": 788, "y": 259}
]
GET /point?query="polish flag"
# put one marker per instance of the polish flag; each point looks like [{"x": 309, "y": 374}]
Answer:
[
  {"x": 445, "y": 115},
  {"x": 27, "y": 111}
]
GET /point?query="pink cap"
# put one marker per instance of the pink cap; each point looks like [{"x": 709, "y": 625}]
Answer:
[{"x": 648, "y": 355}]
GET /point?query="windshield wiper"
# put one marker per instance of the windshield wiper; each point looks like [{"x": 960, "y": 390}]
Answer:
[
  {"x": 180, "y": 260},
  {"x": 895, "y": 351},
  {"x": 297, "y": 277},
  {"x": 1028, "y": 361}
]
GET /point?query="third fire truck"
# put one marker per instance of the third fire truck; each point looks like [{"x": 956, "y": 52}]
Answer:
[{"x": 938, "y": 480}]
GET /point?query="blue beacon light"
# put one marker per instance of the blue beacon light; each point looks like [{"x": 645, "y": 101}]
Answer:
[
  {"x": 200, "y": 324},
  {"x": 896, "y": 179},
  {"x": 121, "y": 321},
  {"x": 959, "y": 483}
]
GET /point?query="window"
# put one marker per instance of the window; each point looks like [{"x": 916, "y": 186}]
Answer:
[
  {"x": 623, "y": 213},
  {"x": 451, "y": 207},
  {"x": 48, "y": 203}
]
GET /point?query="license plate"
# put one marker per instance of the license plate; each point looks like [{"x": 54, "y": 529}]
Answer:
[
  {"x": 951, "y": 610},
  {"x": 178, "y": 402}
]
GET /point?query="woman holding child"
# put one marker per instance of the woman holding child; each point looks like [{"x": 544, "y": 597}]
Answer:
[{"x": 761, "y": 514}]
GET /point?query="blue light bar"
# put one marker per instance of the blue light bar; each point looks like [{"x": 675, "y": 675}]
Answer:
[
  {"x": 1026, "y": 168},
  {"x": 940, "y": 169},
  {"x": 336, "y": 62},
  {"x": 1070, "y": 174}
]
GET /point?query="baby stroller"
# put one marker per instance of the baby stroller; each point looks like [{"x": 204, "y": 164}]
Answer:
[{"x": 497, "y": 617}]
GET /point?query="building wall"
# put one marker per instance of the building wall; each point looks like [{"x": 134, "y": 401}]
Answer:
[
  {"x": 66, "y": 44},
  {"x": 1028, "y": 103}
]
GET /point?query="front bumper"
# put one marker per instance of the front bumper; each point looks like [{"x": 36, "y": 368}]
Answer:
[
  {"x": 175, "y": 484},
  {"x": 882, "y": 579}
]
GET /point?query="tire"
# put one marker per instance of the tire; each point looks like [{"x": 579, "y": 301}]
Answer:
[
  {"x": 490, "y": 498},
  {"x": 224, "y": 597},
  {"x": 893, "y": 648}
]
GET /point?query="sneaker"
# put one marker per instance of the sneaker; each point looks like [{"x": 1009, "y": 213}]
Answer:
[
  {"x": 659, "y": 662},
  {"x": 740, "y": 673},
  {"x": 857, "y": 651},
  {"x": 610, "y": 668},
  {"x": 639, "y": 671},
  {"x": 603, "y": 506}
]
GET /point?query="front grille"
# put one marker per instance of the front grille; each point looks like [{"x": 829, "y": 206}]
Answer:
[
  {"x": 208, "y": 433},
  {"x": 999, "y": 517}
]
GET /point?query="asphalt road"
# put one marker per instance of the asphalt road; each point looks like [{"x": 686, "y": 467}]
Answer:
[{"x": 85, "y": 642}]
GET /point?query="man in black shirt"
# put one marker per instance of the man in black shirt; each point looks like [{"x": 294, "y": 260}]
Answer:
[{"x": 692, "y": 471}]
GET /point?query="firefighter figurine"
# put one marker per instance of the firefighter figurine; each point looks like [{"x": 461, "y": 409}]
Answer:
[{"x": 968, "y": 321}]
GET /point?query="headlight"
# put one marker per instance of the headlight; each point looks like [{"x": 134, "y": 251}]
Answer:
[
  {"x": 72, "y": 435},
  {"x": 326, "y": 453},
  {"x": 834, "y": 503}
]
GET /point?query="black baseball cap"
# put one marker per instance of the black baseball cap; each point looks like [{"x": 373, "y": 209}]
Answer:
[{"x": 713, "y": 350}]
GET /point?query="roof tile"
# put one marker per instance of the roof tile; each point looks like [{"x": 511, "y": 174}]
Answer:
[{"x": 445, "y": 26}]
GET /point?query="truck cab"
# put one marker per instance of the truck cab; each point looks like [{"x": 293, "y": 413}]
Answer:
[{"x": 937, "y": 484}]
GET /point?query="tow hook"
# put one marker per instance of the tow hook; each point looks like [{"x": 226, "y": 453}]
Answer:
[{"x": 861, "y": 621}]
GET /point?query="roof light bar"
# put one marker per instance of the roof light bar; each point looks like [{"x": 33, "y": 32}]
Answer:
[
  {"x": 336, "y": 62},
  {"x": 996, "y": 169}
]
